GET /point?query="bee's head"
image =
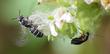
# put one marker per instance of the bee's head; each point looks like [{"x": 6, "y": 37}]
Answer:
[{"x": 20, "y": 18}]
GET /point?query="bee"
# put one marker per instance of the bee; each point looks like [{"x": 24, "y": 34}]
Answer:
[
  {"x": 24, "y": 21},
  {"x": 81, "y": 39}
]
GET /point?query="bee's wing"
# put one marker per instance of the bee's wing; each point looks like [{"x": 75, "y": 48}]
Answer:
[
  {"x": 22, "y": 39},
  {"x": 40, "y": 19},
  {"x": 45, "y": 29}
]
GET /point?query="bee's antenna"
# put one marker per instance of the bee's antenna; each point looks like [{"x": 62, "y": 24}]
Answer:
[
  {"x": 19, "y": 12},
  {"x": 13, "y": 18}
]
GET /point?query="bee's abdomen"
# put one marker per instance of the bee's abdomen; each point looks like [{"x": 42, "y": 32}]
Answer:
[{"x": 36, "y": 32}]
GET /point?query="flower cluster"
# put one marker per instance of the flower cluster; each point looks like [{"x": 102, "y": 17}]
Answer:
[
  {"x": 63, "y": 15},
  {"x": 70, "y": 10}
]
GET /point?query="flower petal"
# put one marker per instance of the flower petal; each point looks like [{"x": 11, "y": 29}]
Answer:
[
  {"x": 88, "y": 1},
  {"x": 52, "y": 29},
  {"x": 67, "y": 18},
  {"x": 58, "y": 24},
  {"x": 58, "y": 12}
]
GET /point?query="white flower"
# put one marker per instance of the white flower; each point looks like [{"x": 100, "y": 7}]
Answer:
[
  {"x": 60, "y": 16},
  {"x": 39, "y": 0},
  {"x": 67, "y": 18},
  {"x": 72, "y": 9},
  {"x": 52, "y": 29},
  {"x": 105, "y": 4},
  {"x": 71, "y": 1},
  {"x": 59, "y": 24},
  {"x": 88, "y": 1},
  {"x": 57, "y": 13}
]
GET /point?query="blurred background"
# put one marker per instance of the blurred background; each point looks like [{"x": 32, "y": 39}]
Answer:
[{"x": 10, "y": 30}]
